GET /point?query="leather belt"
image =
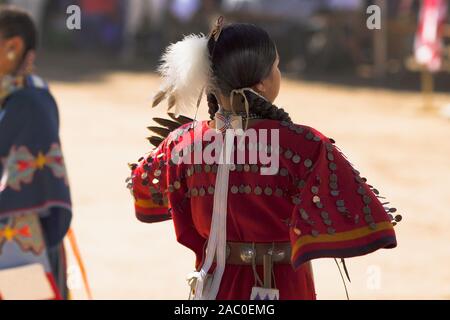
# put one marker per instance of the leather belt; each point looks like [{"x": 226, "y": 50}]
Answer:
[{"x": 243, "y": 253}]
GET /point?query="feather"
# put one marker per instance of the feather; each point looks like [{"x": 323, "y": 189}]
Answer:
[
  {"x": 160, "y": 96},
  {"x": 163, "y": 132},
  {"x": 180, "y": 119},
  {"x": 171, "y": 103},
  {"x": 185, "y": 69},
  {"x": 169, "y": 124},
  {"x": 155, "y": 141}
]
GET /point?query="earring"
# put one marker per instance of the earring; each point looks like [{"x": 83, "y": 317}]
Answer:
[{"x": 11, "y": 55}]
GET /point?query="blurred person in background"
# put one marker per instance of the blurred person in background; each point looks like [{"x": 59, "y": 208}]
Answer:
[
  {"x": 101, "y": 24},
  {"x": 36, "y": 8},
  {"x": 136, "y": 12},
  {"x": 35, "y": 204}
]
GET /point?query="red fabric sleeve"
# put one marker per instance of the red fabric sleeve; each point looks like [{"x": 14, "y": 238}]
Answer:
[
  {"x": 149, "y": 186},
  {"x": 338, "y": 214},
  {"x": 160, "y": 192}
]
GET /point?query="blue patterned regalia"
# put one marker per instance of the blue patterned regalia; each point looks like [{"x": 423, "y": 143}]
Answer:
[{"x": 35, "y": 205}]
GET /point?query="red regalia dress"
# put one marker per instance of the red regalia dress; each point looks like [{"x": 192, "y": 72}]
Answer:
[{"x": 317, "y": 201}]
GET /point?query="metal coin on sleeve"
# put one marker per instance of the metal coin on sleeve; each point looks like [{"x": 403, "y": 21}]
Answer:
[
  {"x": 144, "y": 175},
  {"x": 324, "y": 215},
  {"x": 332, "y": 166},
  {"x": 314, "y": 189},
  {"x": 331, "y": 230},
  {"x": 296, "y": 200},
  {"x": 329, "y": 147},
  {"x": 340, "y": 203},
  {"x": 194, "y": 192},
  {"x": 241, "y": 188},
  {"x": 319, "y": 205},
  {"x": 342, "y": 209},
  {"x": 307, "y": 163},
  {"x": 155, "y": 181},
  {"x": 368, "y": 218},
  {"x": 366, "y": 210},
  {"x": 288, "y": 154},
  {"x": 268, "y": 191},
  {"x": 234, "y": 189},
  {"x": 330, "y": 156},
  {"x": 198, "y": 168},
  {"x": 232, "y": 167},
  {"x": 304, "y": 214},
  {"x": 367, "y": 199},
  {"x": 246, "y": 167},
  {"x": 361, "y": 190},
  {"x": 327, "y": 222},
  {"x": 315, "y": 233},
  {"x": 201, "y": 192},
  {"x": 257, "y": 190},
  {"x": 207, "y": 168},
  {"x": 278, "y": 192},
  {"x": 333, "y": 185},
  {"x": 334, "y": 193},
  {"x": 296, "y": 159},
  {"x": 333, "y": 177},
  {"x": 157, "y": 173},
  {"x": 177, "y": 184},
  {"x": 210, "y": 190},
  {"x": 316, "y": 138},
  {"x": 247, "y": 189},
  {"x": 373, "y": 226},
  {"x": 309, "y": 136},
  {"x": 239, "y": 167},
  {"x": 301, "y": 183},
  {"x": 255, "y": 168},
  {"x": 316, "y": 199}
]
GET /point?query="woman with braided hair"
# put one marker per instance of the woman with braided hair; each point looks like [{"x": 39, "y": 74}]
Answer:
[{"x": 254, "y": 230}]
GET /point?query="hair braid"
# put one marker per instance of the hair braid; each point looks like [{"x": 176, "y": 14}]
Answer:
[
  {"x": 265, "y": 109},
  {"x": 213, "y": 105}
]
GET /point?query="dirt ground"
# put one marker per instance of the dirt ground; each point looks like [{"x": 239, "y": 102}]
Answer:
[{"x": 402, "y": 151}]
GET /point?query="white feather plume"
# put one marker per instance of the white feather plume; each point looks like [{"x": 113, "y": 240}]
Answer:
[{"x": 185, "y": 69}]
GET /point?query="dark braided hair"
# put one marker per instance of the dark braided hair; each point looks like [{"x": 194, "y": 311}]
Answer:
[{"x": 242, "y": 57}]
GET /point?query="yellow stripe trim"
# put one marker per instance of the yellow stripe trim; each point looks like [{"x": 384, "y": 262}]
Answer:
[
  {"x": 342, "y": 236},
  {"x": 147, "y": 204}
]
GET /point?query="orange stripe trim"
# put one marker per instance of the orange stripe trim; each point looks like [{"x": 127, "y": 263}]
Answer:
[
  {"x": 342, "y": 236},
  {"x": 146, "y": 204}
]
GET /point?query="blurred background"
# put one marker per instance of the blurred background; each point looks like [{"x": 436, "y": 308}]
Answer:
[{"x": 373, "y": 91}]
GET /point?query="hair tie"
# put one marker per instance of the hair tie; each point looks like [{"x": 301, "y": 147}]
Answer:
[{"x": 246, "y": 104}]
